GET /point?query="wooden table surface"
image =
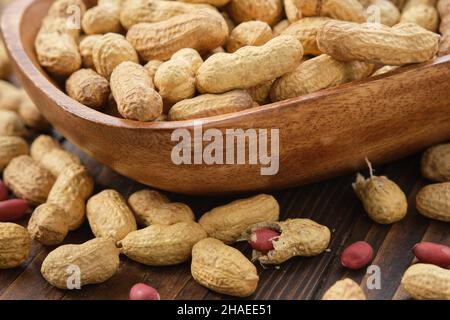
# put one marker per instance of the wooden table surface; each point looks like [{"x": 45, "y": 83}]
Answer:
[{"x": 331, "y": 203}]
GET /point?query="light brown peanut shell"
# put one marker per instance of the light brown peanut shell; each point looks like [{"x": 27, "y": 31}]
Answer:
[
  {"x": 97, "y": 260},
  {"x": 208, "y": 105},
  {"x": 228, "y": 222},
  {"x": 427, "y": 282},
  {"x": 109, "y": 215},
  {"x": 298, "y": 237},
  {"x": 292, "y": 10},
  {"x": 382, "y": 198},
  {"x": 58, "y": 53},
  {"x": 11, "y": 124},
  {"x": 422, "y": 13},
  {"x": 389, "y": 13},
  {"x": 346, "y": 289},
  {"x": 28, "y": 180},
  {"x": 162, "y": 245},
  {"x": 30, "y": 114},
  {"x": 89, "y": 88},
  {"x": 151, "y": 67},
  {"x": 159, "y": 41},
  {"x": 305, "y": 30},
  {"x": 223, "y": 269},
  {"x": 102, "y": 19},
  {"x": 269, "y": 11},
  {"x": 152, "y": 207},
  {"x": 15, "y": 244},
  {"x": 436, "y": 163},
  {"x": 175, "y": 79},
  {"x": 61, "y": 8},
  {"x": 10, "y": 96},
  {"x": 86, "y": 47},
  {"x": 433, "y": 201},
  {"x": 346, "y": 10},
  {"x": 224, "y": 72},
  {"x": 138, "y": 11},
  {"x": 110, "y": 51},
  {"x": 216, "y": 3},
  {"x": 57, "y": 160},
  {"x": 251, "y": 33},
  {"x": 133, "y": 91},
  {"x": 280, "y": 27},
  {"x": 42, "y": 145},
  {"x": 10, "y": 148},
  {"x": 402, "y": 44},
  {"x": 48, "y": 224},
  {"x": 260, "y": 93},
  {"x": 70, "y": 191}
]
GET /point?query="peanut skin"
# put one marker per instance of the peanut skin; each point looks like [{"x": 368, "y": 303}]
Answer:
[
  {"x": 402, "y": 44},
  {"x": 133, "y": 91},
  {"x": 224, "y": 72},
  {"x": 201, "y": 31}
]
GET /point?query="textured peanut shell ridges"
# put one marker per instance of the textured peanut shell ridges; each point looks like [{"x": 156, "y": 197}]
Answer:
[
  {"x": 436, "y": 163},
  {"x": 223, "y": 269},
  {"x": 346, "y": 289},
  {"x": 15, "y": 244},
  {"x": 228, "y": 222},
  {"x": 427, "y": 282},
  {"x": 402, "y": 44},
  {"x": 97, "y": 260},
  {"x": 433, "y": 201}
]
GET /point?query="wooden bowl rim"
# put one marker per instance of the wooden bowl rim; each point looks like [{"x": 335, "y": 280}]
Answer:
[{"x": 11, "y": 22}]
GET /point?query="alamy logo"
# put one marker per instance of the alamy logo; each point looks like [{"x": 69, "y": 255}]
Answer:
[{"x": 231, "y": 147}]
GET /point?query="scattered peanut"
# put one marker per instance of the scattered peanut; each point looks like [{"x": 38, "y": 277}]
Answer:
[
  {"x": 133, "y": 91},
  {"x": 436, "y": 163},
  {"x": 402, "y": 44},
  {"x": 223, "y": 72},
  {"x": 433, "y": 253},
  {"x": 141, "y": 291},
  {"x": 28, "y": 180},
  {"x": 30, "y": 114},
  {"x": 427, "y": 282},
  {"x": 110, "y": 216},
  {"x": 11, "y": 147},
  {"x": 48, "y": 224},
  {"x": 152, "y": 207},
  {"x": 97, "y": 260},
  {"x": 11, "y": 124},
  {"x": 70, "y": 191},
  {"x": 175, "y": 79},
  {"x": 228, "y": 222},
  {"x": 357, "y": 255},
  {"x": 346, "y": 289},
  {"x": 223, "y": 269},
  {"x": 10, "y": 96},
  {"x": 207, "y": 105},
  {"x": 298, "y": 237},
  {"x": 382, "y": 199},
  {"x": 433, "y": 201},
  {"x": 162, "y": 245},
  {"x": 159, "y": 41},
  {"x": 88, "y": 87},
  {"x": 15, "y": 244},
  {"x": 13, "y": 209}
]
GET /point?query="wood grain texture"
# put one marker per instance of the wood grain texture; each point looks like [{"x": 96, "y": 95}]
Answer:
[
  {"x": 322, "y": 135},
  {"x": 331, "y": 203}
]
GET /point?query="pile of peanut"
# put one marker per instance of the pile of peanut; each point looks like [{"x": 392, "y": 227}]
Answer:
[{"x": 155, "y": 60}]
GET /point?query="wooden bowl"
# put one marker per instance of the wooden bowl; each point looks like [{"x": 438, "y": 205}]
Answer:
[{"x": 324, "y": 134}]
